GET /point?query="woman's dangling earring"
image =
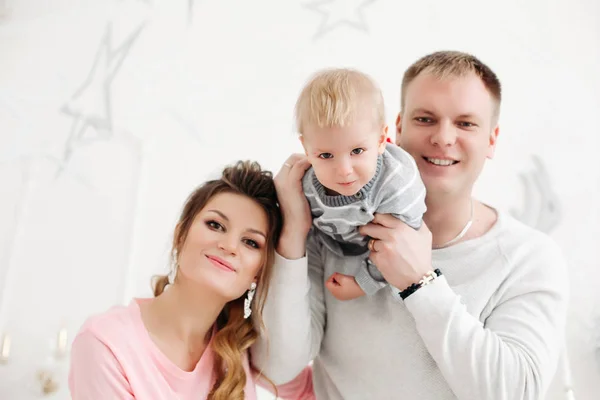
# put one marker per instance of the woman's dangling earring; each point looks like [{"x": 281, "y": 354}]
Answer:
[
  {"x": 172, "y": 274},
  {"x": 248, "y": 301},
  {"x": 173, "y": 271}
]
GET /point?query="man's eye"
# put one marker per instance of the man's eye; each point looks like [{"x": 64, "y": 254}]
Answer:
[{"x": 424, "y": 120}]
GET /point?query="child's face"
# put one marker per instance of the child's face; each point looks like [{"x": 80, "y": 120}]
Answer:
[{"x": 345, "y": 159}]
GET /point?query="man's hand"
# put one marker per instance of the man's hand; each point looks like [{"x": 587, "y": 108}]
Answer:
[{"x": 401, "y": 253}]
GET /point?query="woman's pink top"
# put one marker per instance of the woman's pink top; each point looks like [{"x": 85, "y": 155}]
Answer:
[{"x": 113, "y": 357}]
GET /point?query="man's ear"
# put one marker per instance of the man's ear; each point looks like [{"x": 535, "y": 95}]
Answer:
[
  {"x": 493, "y": 140},
  {"x": 398, "y": 128}
]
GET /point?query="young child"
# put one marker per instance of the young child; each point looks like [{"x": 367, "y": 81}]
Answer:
[{"x": 341, "y": 120}]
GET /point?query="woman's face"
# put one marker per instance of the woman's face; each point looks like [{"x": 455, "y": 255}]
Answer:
[{"x": 226, "y": 245}]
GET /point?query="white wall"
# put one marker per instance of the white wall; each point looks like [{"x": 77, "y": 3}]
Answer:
[{"x": 85, "y": 222}]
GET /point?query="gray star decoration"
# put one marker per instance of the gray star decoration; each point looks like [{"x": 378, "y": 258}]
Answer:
[
  {"x": 542, "y": 211},
  {"x": 190, "y": 11},
  {"x": 337, "y": 13},
  {"x": 541, "y": 208},
  {"x": 90, "y": 105},
  {"x": 4, "y": 10}
]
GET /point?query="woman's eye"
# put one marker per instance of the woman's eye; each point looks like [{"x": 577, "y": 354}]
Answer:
[
  {"x": 215, "y": 225},
  {"x": 252, "y": 243}
]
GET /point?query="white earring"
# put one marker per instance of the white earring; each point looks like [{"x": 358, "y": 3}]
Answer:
[
  {"x": 248, "y": 301},
  {"x": 173, "y": 272}
]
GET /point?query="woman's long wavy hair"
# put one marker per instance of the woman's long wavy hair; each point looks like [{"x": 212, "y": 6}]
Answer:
[{"x": 234, "y": 334}]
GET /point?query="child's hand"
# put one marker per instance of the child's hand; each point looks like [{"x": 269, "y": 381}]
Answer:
[{"x": 343, "y": 287}]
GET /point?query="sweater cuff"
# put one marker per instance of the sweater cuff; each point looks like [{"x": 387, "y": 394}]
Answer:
[
  {"x": 366, "y": 282},
  {"x": 290, "y": 272},
  {"x": 431, "y": 301}
]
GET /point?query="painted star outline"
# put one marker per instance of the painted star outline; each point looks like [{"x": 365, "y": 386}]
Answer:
[
  {"x": 325, "y": 27},
  {"x": 101, "y": 122}
]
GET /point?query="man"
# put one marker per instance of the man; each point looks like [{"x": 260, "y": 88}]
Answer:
[{"x": 483, "y": 300}]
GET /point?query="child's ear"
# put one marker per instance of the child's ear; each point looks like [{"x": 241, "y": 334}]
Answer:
[
  {"x": 301, "y": 137},
  {"x": 382, "y": 140}
]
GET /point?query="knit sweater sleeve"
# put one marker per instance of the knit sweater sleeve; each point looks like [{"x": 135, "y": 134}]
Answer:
[
  {"x": 400, "y": 191},
  {"x": 513, "y": 353},
  {"x": 294, "y": 316}
]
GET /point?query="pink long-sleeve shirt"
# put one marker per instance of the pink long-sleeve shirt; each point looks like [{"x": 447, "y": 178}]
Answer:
[{"x": 113, "y": 357}]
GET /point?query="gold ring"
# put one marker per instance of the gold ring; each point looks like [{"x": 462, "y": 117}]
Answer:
[{"x": 371, "y": 245}]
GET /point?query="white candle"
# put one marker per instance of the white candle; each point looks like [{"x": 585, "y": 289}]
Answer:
[
  {"x": 61, "y": 342},
  {"x": 5, "y": 348}
]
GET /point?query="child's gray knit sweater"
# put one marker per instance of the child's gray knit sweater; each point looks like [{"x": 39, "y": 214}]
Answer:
[{"x": 396, "y": 188}]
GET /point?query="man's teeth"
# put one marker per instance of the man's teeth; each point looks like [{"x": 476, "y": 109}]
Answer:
[{"x": 437, "y": 161}]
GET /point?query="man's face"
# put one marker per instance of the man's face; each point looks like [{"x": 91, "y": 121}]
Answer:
[{"x": 449, "y": 127}]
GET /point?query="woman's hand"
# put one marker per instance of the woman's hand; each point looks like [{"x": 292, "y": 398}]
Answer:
[
  {"x": 294, "y": 207},
  {"x": 401, "y": 253}
]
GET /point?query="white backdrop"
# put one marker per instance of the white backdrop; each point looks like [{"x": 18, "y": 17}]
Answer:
[{"x": 111, "y": 112}]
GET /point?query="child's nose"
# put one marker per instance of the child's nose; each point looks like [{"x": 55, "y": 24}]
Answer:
[{"x": 344, "y": 168}]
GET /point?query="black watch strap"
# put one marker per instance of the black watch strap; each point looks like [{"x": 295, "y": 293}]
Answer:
[{"x": 426, "y": 280}]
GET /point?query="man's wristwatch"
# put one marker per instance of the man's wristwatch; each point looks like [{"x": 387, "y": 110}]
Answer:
[{"x": 426, "y": 280}]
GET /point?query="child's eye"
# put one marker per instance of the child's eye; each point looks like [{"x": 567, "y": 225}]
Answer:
[
  {"x": 325, "y": 156},
  {"x": 215, "y": 225},
  {"x": 357, "y": 151},
  {"x": 252, "y": 243}
]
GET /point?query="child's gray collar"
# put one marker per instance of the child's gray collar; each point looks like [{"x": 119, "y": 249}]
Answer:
[{"x": 341, "y": 200}]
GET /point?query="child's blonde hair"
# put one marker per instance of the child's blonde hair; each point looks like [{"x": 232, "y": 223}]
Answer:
[{"x": 332, "y": 98}]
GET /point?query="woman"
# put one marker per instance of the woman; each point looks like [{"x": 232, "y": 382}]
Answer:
[{"x": 190, "y": 341}]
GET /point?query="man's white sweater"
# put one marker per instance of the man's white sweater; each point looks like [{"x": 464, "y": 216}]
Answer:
[{"x": 492, "y": 327}]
